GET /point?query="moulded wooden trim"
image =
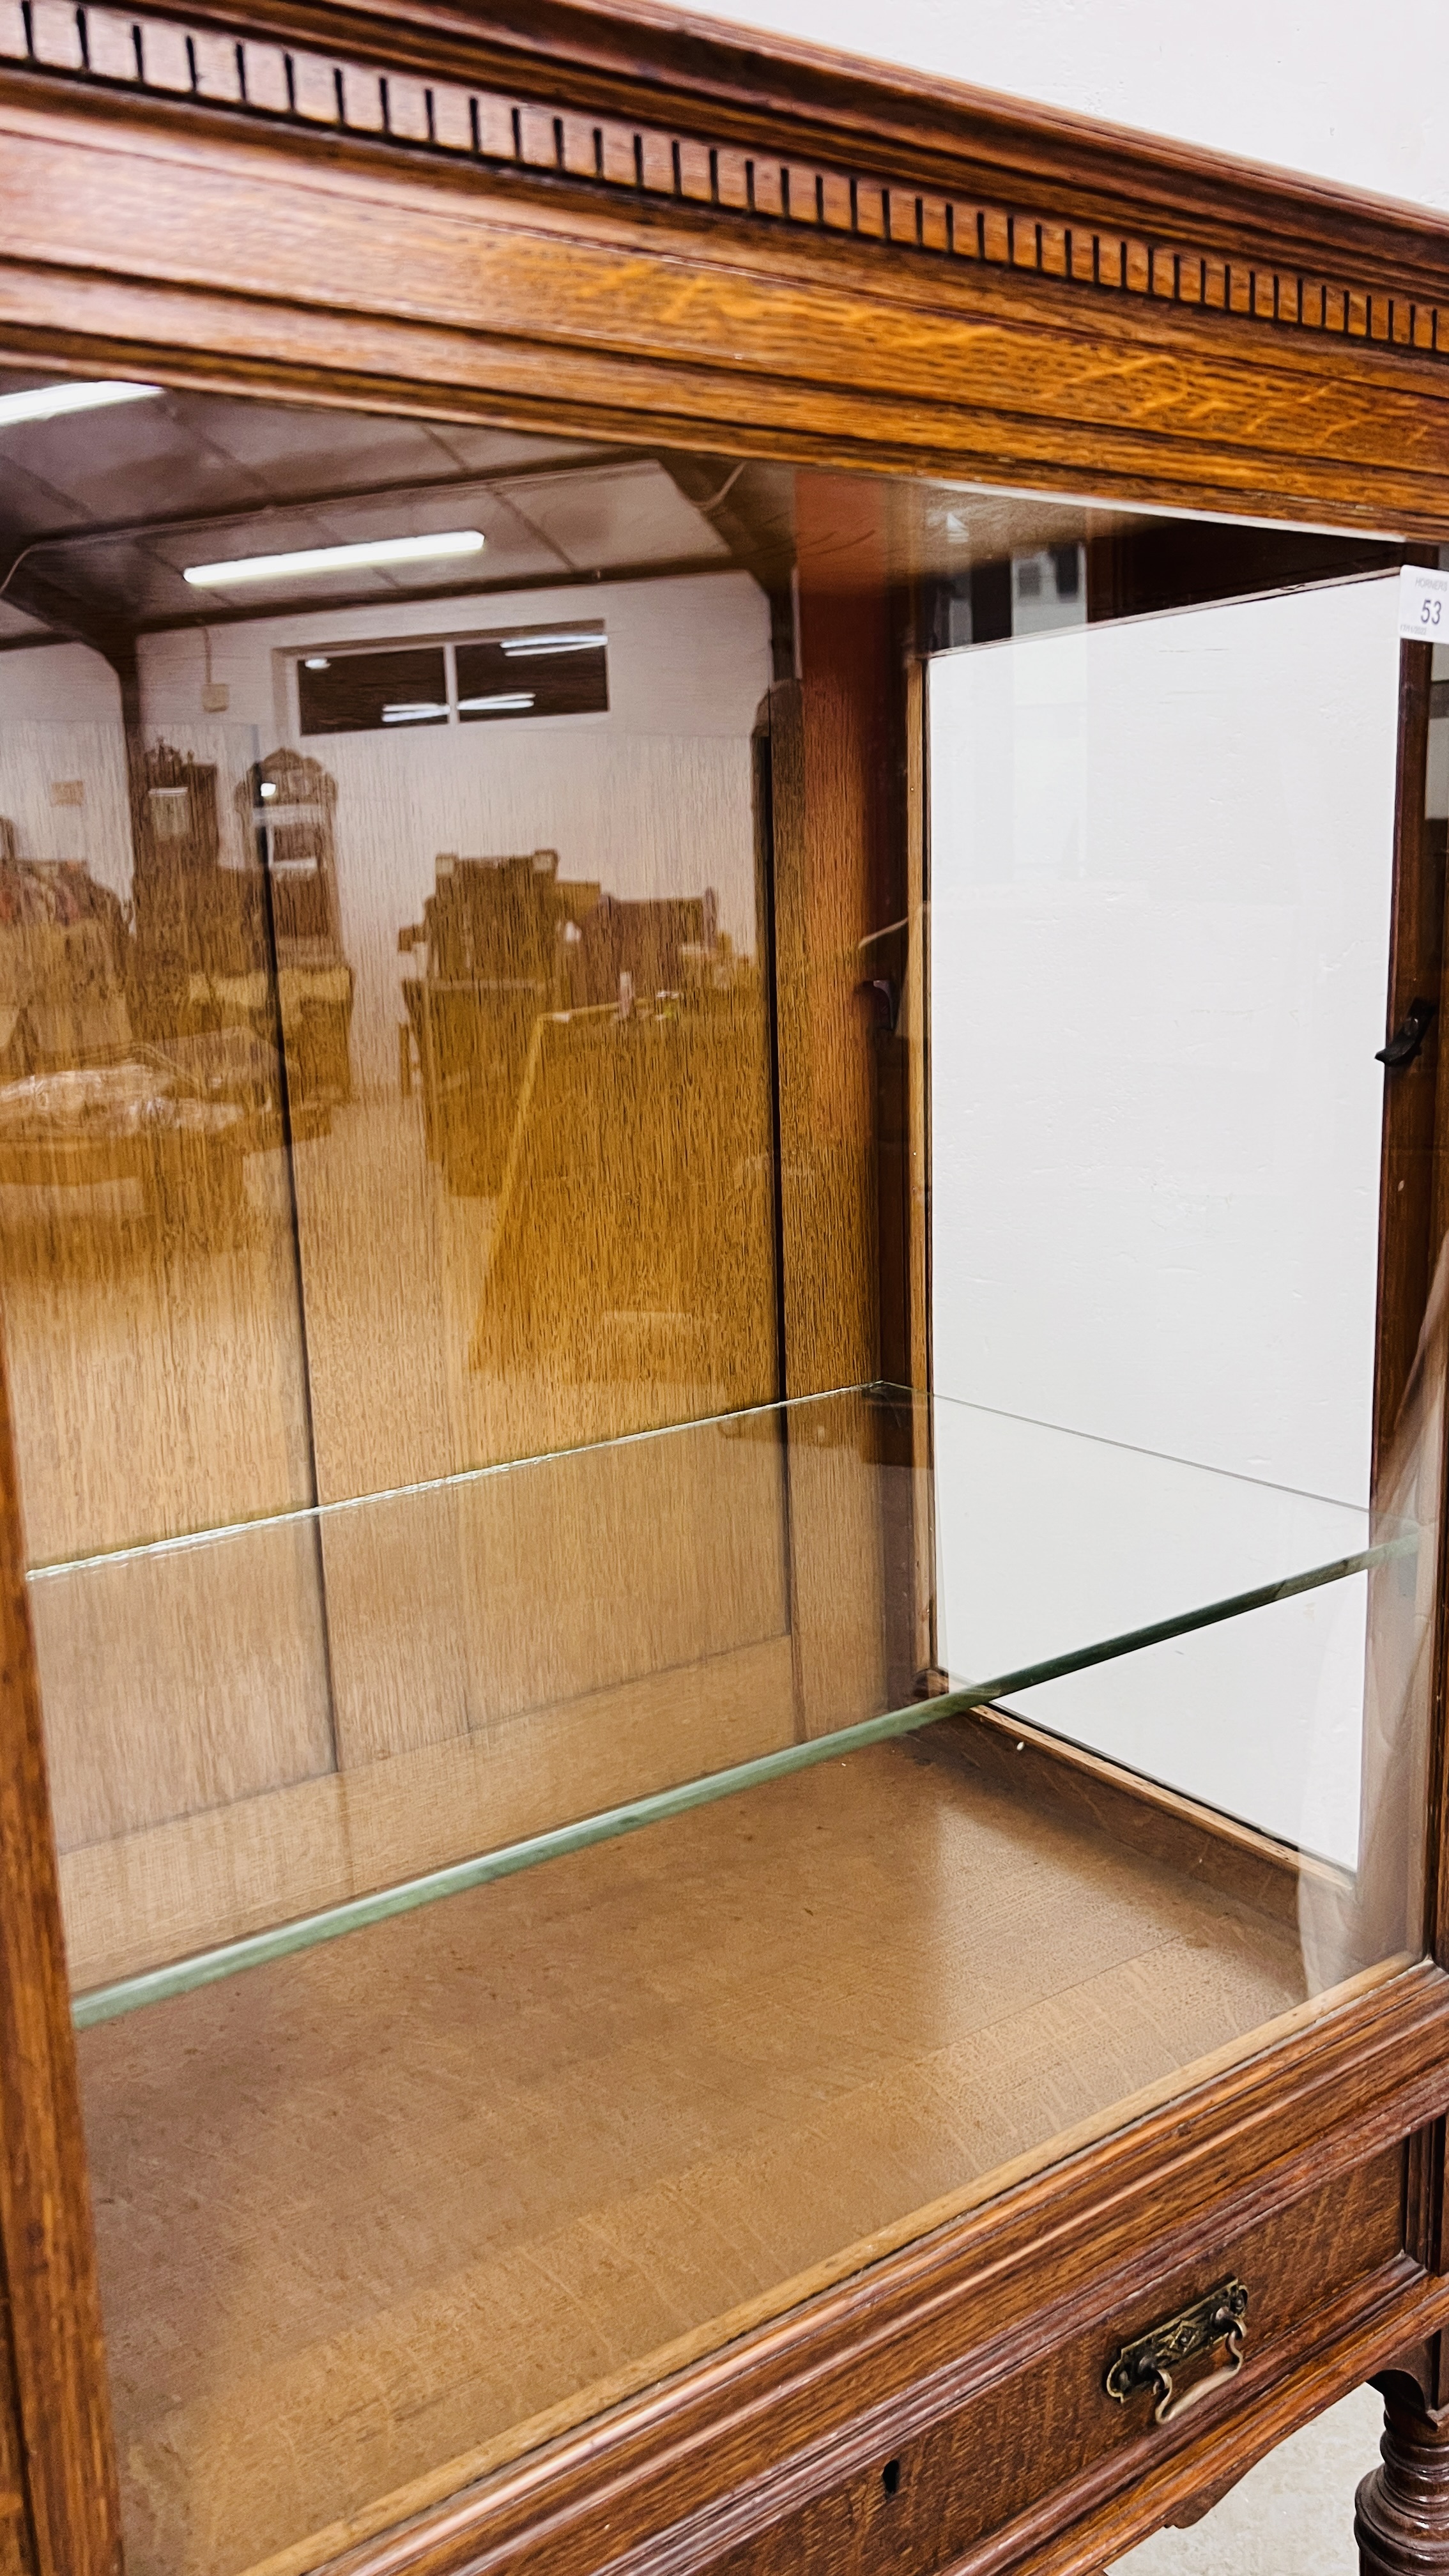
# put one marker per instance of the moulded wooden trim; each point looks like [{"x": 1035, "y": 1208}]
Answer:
[
  {"x": 1074, "y": 2524},
  {"x": 365, "y": 280},
  {"x": 743, "y": 133},
  {"x": 1086, "y": 2525},
  {"x": 622, "y": 53}
]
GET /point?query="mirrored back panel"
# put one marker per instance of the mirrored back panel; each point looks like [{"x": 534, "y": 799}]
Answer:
[{"x": 729, "y": 1447}]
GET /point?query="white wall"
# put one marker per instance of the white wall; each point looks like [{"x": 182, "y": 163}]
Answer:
[
  {"x": 1345, "y": 92},
  {"x": 1161, "y": 855},
  {"x": 60, "y": 726},
  {"x": 686, "y": 656},
  {"x": 51, "y": 683}
]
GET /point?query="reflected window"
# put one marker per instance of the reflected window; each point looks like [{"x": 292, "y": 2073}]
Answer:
[
  {"x": 539, "y": 671},
  {"x": 362, "y": 692},
  {"x": 559, "y": 670}
]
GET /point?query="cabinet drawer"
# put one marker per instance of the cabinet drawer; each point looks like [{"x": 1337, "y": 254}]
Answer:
[{"x": 1040, "y": 2425}]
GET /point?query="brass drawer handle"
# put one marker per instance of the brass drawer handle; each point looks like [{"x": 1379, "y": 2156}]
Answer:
[{"x": 1149, "y": 2361}]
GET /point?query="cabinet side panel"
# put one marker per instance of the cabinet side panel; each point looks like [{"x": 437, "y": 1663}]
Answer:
[
  {"x": 17, "y": 2552},
  {"x": 45, "y": 2226}
]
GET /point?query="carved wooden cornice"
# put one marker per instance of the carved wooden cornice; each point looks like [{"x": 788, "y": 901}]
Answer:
[{"x": 1390, "y": 288}]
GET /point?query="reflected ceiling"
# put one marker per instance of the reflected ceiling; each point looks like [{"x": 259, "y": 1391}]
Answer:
[{"x": 102, "y": 511}]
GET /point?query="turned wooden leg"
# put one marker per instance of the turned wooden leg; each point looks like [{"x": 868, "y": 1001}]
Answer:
[{"x": 1401, "y": 2513}]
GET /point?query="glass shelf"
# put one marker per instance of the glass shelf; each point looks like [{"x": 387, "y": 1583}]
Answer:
[{"x": 1059, "y": 1554}]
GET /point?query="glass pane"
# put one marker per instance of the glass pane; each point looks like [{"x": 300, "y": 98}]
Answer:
[
  {"x": 672, "y": 1368},
  {"x": 149, "y": 1262}
]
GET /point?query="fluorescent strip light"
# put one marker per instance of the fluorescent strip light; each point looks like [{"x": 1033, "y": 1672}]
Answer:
[
  {"x": 521, "y": 647},
  {"x": 420, "y": 712},
  {"x": 49, "y": 402},
  {"x": 315, "y": 559},
  {"x": 474, "y": 706}
]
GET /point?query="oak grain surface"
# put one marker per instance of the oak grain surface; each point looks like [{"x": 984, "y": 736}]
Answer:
[
  {"x": 508, "y": 2157},
  {"x": 979, "y": 2470}
]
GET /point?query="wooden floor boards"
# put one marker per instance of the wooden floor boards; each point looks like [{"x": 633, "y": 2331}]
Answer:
[{"x": 428, "y": 2192}]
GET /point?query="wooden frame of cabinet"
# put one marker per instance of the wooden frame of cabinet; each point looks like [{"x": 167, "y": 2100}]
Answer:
[{"x": 539, "y": 214}]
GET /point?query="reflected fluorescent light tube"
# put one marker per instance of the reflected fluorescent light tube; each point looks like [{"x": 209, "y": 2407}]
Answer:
[
  {"x": 520, "y": 647},
  {"x": 50, "y": 402},
  {"x": 420, "y": 712},
  {"x": 515, "y": 698},
  {"x": 315, "y": 559}
]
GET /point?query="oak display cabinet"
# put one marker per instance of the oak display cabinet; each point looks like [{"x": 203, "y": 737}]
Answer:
[{"x": 722, "y": 1188}]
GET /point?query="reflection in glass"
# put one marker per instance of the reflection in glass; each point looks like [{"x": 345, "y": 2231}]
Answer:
[{"x": 700, "y": 1581}]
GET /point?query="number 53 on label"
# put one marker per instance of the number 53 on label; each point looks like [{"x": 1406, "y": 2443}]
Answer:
[{"x": 1423, "y": 605}]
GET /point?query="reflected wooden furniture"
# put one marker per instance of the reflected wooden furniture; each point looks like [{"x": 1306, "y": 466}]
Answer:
[
  {"x": 611, "y": 224},
  {"x": 493, "y": 959}
]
